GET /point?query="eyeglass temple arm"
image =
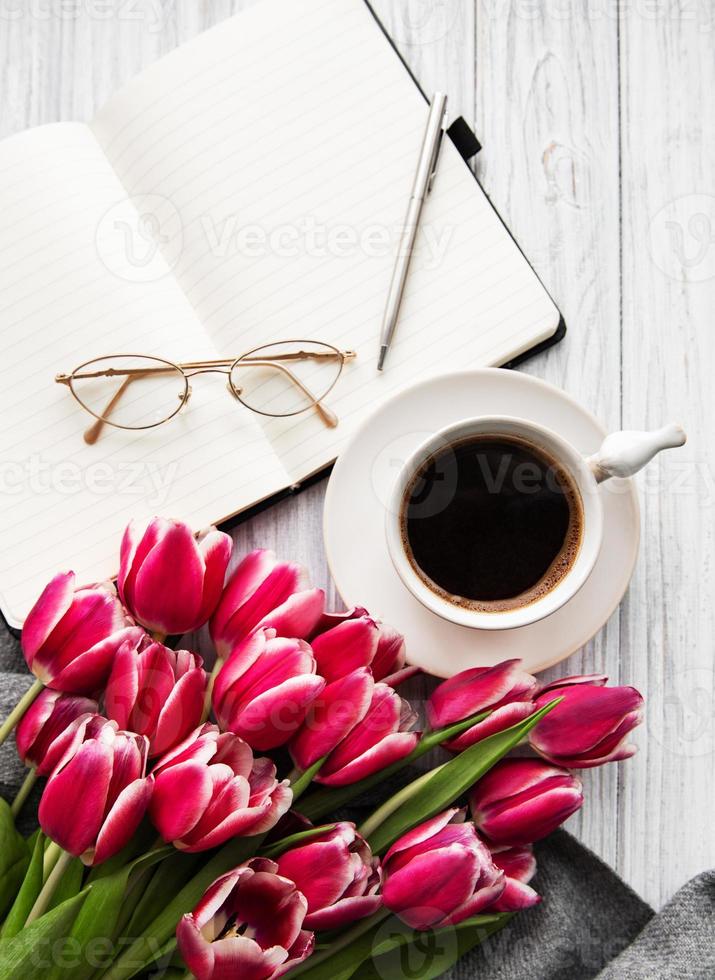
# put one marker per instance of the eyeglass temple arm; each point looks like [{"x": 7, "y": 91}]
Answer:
[
  {"x": 94, "y": 431},
  {"x": 326, "y": 414}
]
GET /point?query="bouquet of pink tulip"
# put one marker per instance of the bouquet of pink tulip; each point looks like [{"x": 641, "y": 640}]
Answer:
[{"x": 189, "y": 822}]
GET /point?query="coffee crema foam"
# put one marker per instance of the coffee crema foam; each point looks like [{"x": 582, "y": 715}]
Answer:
[{"x": 444, "y": 460}]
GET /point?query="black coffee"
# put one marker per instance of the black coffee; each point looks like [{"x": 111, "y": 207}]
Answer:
[{"x": 492, "y": 523}]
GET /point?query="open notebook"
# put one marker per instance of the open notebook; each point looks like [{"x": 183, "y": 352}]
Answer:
[{"x": 247, "y": 188}]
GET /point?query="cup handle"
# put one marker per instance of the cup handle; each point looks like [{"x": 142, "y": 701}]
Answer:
[{"x": 624, "y": 453}]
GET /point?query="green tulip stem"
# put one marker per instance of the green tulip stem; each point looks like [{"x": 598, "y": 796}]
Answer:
[
  {"x": 359, "y": 929},
  {"x": 395, "y": 802},
  {"x": 19, "y": 710},
  {"x": 48, "y": 889},
  {"x": 210, "y": 689},
  {"x": 187, "y": 976},
  {"x": 51, "y": 857},
  {"x": 157, "y": 636},
  {"x": 24, "y": 792}
]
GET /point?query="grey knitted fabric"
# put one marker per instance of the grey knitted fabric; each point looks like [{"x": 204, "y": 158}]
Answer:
[{"x": 590, "y": 924}]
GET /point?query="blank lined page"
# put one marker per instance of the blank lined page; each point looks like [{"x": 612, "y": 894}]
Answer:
[
  {"x": 70, "y": 291},
  {"x": 287, "y": 139}
]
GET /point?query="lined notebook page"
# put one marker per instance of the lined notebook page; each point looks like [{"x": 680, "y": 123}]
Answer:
[
  {"x": 69, "y": 292},
  {"x": 287, "y": 138}
]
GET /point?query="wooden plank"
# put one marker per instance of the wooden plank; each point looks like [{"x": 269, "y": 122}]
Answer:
[
  {"x": 547, "y": 114},
  {"x": 668, "y": 138}
]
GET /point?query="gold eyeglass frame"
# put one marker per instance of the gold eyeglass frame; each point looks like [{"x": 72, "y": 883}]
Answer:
[{"x": 191, "y": 369}]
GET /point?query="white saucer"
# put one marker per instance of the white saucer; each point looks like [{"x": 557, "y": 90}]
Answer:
[{"x": 359, "y": 491}]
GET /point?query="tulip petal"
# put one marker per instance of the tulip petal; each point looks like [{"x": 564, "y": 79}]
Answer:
[
  {"x": 169, "y": 584},
  {"x": 515, "y": 897},
  {"x": 336, "y": 711},
  {"x": 283, "y": 579},
  {"x": 498, "y": 721},
  {"x": 181, "y": 795},
  {"x": 296, "y": 616},
  {"x": 122, "y": 820},
  {"x": 280, "y": 803},
  {"x": 343, "y": 913},
  {"x": 484, "y": 897},
  {"x": 215, "y": 549},
  {"x": 422, "y": 833},
  {"x": 137, "y": 542},
  {"x": 85, "y": 777},
  {"x": 320, "y": 869},
  {"x": 273, "y": 717},
  {"x": 196, "y": 952},
  {"x": 238, "y": 663},
  {"x": 89, "y": 671},
  {"x": 33, "y": 722},
  {"x": 431, "y": 885},
  {"x": 346, "y": 647},
  {"x": 242, "y": 957},
  {"x": 390, "y": 655},
  {"x": 390, "y": 749},
  {"x": 478, "y": 689},
  {"x": 54, "y": 601},
  {"x": 181, "y": 712},
  {"x": 257, "y": 901},
  {"x": 241, "y": 585}
]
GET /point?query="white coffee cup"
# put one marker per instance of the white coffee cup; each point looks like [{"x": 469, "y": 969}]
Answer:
[{"x": 622, "y": 454}]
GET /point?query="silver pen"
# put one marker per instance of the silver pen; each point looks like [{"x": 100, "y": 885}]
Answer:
[{"x": 421, "y": 186}]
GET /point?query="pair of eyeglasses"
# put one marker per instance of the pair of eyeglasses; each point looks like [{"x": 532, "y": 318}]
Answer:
[{"x": 137, "y": 391}]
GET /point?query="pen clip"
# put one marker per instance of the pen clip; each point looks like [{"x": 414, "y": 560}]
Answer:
[{"x": 437, "y": 152}]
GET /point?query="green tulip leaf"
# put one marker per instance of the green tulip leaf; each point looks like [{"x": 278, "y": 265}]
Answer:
[
  {"x": 91, "y": 938},
  {"x": 168, "y": 879},
  {"x": 29, "y": 890},
  {"x": 295, "y": 840},
  {"x": 31, "y": 952},
  {"x": 327, "y": 800},
  {"x": 450, "y": 782},
  {"x": 306, "y": 778},
  {"x": 381, "y": 941},
  {"x": 14, "y": 858}
]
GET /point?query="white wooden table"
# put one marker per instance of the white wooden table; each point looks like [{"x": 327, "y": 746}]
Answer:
[{"x": 599, "y": 150}]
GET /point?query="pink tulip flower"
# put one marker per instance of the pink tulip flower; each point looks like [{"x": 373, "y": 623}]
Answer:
[
  {"x": 71, "y": 635},
  {"x": 519, "y": 867},
  {"x": 338, "y": 876},
  {"x": 265, "y": 592},
  {"x": 248, "y": 925},
  {"x": 99, "y": 793},
  {"x": 210, "y": 788},
  {"x": 591, "y": 725},
  {"x": 156, "y": 692},
  {"x": 51, "y": 725},
  {"x": 520, "y": 801},
  {"x": 379, "y": 737},
  {"x": 342, "y": 642},
  {"x": 440, "y": 873},
  {"x": 170, "y": 580},
  {"x": 264, "y": 689},
  {"x": 482, "y": 689}
]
